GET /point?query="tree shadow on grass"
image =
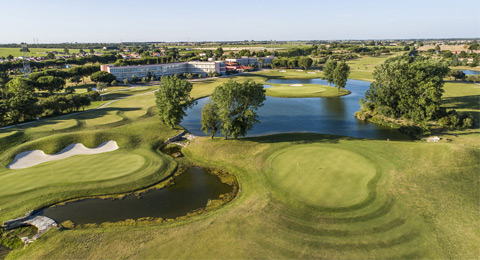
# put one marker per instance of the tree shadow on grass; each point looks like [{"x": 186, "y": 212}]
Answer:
[
  {"x": 300, "y": 138},
  {"x": 471, "y": 103}
]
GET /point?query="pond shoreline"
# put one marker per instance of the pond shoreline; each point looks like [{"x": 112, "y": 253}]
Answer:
[{"x": 224, "y": 177}]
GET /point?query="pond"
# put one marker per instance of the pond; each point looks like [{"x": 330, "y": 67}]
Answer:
[
  {"x": 192, "y": 190},
  {"x": 471, "y": 72},
  {"x": 316, "y": 115}
]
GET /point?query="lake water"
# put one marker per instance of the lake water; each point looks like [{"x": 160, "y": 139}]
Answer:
[
  {"x": 316, "y": 115},
  {"x": 191, "y": 191},
  {"x": 471, "y": 72}
]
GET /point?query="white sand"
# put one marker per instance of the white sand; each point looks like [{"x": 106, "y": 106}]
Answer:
[
  {"x": 298, "y": 70},
  {"x": 31, "y": 158},
  {"x": 296, "y": 85},
  {"x": 282, "y": 71},
  {"x": 311, "y": 72}
]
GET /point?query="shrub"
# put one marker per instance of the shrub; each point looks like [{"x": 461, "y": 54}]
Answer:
[
  {"x": 467, "y": 122},
  {"x": 67, "y": 224}
]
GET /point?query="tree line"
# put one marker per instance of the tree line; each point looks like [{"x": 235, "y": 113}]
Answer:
[
  {"x": 102, "y": 59},
  {"x": 19, "y": 102}
]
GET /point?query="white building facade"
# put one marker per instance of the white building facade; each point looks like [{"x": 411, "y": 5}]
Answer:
[{"x": 165, "y": 69}]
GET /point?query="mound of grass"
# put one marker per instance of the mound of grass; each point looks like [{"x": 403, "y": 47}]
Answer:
[
  {"x": 321, "y": 176},
  {"x": 304, "y": 91}
]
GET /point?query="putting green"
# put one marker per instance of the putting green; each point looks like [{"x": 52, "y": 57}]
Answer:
[
  {"x": 322, "y": 176},
  {"x": 76, "y": 169},
  {"x": 305, "y": 90}
]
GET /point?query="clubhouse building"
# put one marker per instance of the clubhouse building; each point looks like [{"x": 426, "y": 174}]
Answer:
[{"x": 165, "y": 69}]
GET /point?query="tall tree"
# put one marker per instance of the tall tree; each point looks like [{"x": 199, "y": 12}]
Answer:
[
  {"x": 20, "y": 100},
  {"x": 328, "y": 70},
  {"x": 236, "y": 105},
  {"x": 50, "y": 84},
  {"x": 173, "y": 99},
  {"x": 340, "y": 75},
  {"x": 102, "y": 76},
  {"x": 210, "y": 119},
  {"x": 4, "y": 79},
  {"x": 305, "y": 62},
  {"x": 409, "y": 87}
]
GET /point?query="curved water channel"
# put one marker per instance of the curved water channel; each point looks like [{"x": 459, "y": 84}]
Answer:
[
  {"x": 191, "y": 191},
  {"x": 334, "y": 115}
]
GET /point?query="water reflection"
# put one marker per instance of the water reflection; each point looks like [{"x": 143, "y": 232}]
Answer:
[{"x": 316, "y": 115}]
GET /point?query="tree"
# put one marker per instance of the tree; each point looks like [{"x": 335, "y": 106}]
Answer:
[
  {"x": 236, "y": 104},
  {"x": 50, "y": 84},
  {"x": 219, "y": 52},
  {"x": 457, "y": 74},
  {"x": 50, "y": 56},
  {"x": 20, "y": 100},
  {"x": 173, "y": 99},
  {"x": 328, "y": 70},
  {"x": 76, "y": 79},
  {"x": 102, "y": 76},
  {"x": 210, "y": 120},
  {"x": 126, "y": 81},
  {"x": 135, "y": 79},
  {"x": 66, "y": 51},
  {"x": 4, "y": 79},
  {"x": 409, "y": 87},
  {"x": 114, "y": 83},
  {"x": 305, "y": 62},
  {"x": 340, "y": 75},
  {"x": 10, "y": 57}
]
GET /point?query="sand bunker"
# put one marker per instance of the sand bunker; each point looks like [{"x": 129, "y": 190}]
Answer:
[
  {"x": 311, "y": 72},
  {"x": 296, "y": 85},
  {"x": 281, "y": 71},
  {"x": 298, "y": 70},
  {"x": 31, "y": 158}
]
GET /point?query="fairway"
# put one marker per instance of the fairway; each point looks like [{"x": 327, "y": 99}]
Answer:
[
  {"x": 304, "y": 91},
  {"x": 325, "y": 177}
]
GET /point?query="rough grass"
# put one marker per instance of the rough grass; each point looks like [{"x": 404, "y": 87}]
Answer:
[{"x": 307, "y": 90}]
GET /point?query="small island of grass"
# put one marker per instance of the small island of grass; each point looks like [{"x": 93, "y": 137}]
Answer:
[{"x": 304, "y": 91}]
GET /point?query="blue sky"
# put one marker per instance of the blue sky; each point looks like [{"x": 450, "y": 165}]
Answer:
[{"x": 209, "y": 20}]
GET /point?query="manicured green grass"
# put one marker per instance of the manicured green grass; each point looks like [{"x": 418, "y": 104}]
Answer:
[
  {"x": 306, "y": 90},
  {"x": 362, "y": 68},
  {"x": 137, "y": 164},
  {"x": 321, "y": 176},
  {"x": 463, "y": 97}
]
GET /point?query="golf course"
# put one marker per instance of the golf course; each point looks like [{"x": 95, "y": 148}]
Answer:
[{"x": 301, "y": 195}]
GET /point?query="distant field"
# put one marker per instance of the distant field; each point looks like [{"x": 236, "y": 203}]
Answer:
[
  {"x": 444, "y": 47},
  {"x": 362, "y": 68},
  {"x": 34, "y": 52}
]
